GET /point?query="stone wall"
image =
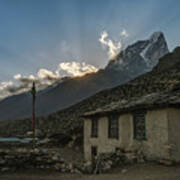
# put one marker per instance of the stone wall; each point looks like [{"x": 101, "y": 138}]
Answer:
[
  {"x": 157, "y": 135},
  {"x": 25, "y": 159},
  {"x": 154, "y": 147},
  {"x": 174, "y": 133}
]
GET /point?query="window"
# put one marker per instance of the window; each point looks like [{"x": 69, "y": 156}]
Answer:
[
  {"x": 94, "y": 127},
  {"x": 139, "y": 125},
  {"x": 113, "y": 126}
]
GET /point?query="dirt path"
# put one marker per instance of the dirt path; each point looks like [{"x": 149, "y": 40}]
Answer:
[{"x": 138, "y": 172}]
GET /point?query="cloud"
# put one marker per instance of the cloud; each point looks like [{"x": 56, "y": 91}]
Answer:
[
  {"x": 4, "y": 88},
  {"x": 76, "y": 68},
  {"x": 124, "y": 33},
  {"x": 47, "y": 75},
  {"x": 21, "y": 84},
  {"x": 113, "y": 47},
  {"x": 24, "y": 84},
  {"x": 44, "y": 77},
  {"x": 27, "y": 79},
  {"x": 5, "y": 85},
  {"x": 17, "y": 76},
  {"x": 72, "y": 69}
]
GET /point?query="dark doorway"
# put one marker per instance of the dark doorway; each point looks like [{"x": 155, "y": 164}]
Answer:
[{"x": 93, "y": 152}]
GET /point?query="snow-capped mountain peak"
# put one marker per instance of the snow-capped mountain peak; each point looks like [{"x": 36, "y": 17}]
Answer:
[
  {"x": 155, "y": 36},
  {"x": 141, "y": 55}
]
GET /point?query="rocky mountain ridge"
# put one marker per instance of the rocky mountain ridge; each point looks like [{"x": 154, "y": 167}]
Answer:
[{"x": 142, "y": 56}]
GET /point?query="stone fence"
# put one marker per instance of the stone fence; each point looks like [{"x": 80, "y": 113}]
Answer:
[{"x": 23, "y": 158}]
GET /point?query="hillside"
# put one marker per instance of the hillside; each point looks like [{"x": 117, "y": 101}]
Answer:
[
  {"x": 164, "y": 77},
  {"x": 136, "y": 59}
]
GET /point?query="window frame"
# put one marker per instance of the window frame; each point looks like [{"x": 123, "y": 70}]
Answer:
[
  {"x": 113, "y": 126},
  {"x": 141, "y": 117},
  {"x": 94, "y": 127}
]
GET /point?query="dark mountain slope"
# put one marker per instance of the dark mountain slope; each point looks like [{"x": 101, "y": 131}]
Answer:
[{"x": 164, "y": 77}]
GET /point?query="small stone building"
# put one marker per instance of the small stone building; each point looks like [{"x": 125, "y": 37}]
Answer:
[{"x": 150, "y": 123}]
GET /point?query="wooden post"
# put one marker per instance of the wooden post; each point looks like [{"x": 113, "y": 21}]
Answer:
[{"x": 33, "y": 92}]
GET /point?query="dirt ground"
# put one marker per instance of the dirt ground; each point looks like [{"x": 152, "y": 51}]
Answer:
[{"x": 136, "y": 172}]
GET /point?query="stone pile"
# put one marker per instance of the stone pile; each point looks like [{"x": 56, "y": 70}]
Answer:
[
  {"x": 105, "y": 161},
  {"x": 22, "y": 158},
  {"x": 120, "y": 158}
]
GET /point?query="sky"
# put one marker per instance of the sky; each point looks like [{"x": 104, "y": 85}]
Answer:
[{"x": 52, "y": 38}]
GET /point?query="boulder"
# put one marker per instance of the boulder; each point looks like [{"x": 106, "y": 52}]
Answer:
[
  {"x": 88, "y": 167},
  {"x": 4, "y": 169},
  {"x": 166, "y": 162}
]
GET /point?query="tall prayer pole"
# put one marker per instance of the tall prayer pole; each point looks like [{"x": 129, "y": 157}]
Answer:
[{"x": 33, "y": 92}]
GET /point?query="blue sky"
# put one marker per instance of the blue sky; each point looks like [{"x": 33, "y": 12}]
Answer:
[{"x": 37, "y": 34}]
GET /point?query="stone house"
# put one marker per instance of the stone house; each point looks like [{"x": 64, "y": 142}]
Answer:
[{"x": 150, "y": 123}]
